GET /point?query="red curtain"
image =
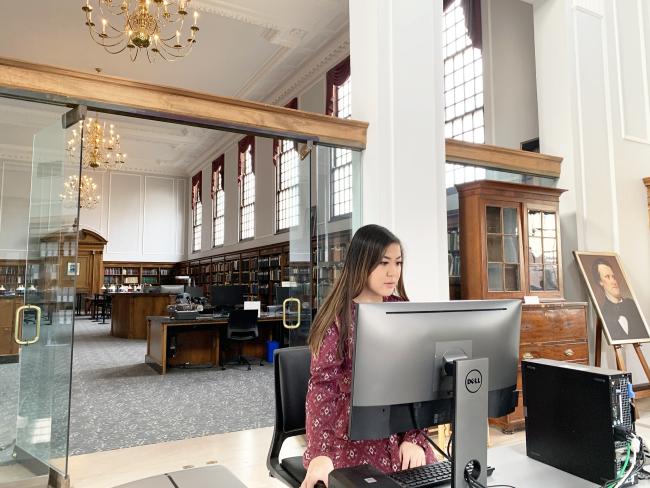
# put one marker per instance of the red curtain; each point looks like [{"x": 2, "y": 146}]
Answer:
[
  {"x": 217, "y": 169},
  {"x": 196, "y": 189},
  {"x": 277, "y": 146},
  {"x": 336, "y": 77},
  {"x": 472, "y": 12},
  {"x": 244, "y": 144}
]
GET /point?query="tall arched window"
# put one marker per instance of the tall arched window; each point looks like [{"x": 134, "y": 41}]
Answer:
[
  {"x": 339, "y": 87},
  {"x": 218, "y": 201},
  {"x": 247, "y": 188},
  {"x": 197, "y": 210},
  {"x": 463, "y": 72}
]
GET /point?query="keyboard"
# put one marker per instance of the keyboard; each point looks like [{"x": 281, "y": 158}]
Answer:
[
  {"x": 428, "y": 475},
  {"x": 423, "y": 476}
]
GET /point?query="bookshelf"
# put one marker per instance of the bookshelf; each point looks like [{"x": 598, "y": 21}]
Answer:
[
  {"x": 12, "y": 273},
  {"x": 130, "y": 273},
  {"x": 263, "y": 268}
]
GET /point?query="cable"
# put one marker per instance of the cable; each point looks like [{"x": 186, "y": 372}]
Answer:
[{"x": 436, "y": 447}]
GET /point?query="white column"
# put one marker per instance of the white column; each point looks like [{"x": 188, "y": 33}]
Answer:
[
  {"x": 592, "y": 59},
  {"x": 397, "y": 86}
]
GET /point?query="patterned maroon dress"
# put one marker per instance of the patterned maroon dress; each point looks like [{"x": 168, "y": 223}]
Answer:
[{"x": 328, "y": 414}]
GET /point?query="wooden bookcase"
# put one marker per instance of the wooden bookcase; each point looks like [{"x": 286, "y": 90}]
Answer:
[
  {"x": 133, "y": 273},
  {"x": 510, "y": 247},
  {"x": 263, "y": 268}
]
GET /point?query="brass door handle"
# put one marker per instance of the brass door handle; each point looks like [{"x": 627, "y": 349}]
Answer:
[
  {"x": 569, "y": 352},
  {"x": 19, "y": 340},
  {"x": 528, "y": 355},
  {"x": 284, "y": 313}
]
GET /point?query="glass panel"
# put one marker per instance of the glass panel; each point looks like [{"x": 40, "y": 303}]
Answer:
[
  {"x": 495, "y": 248},
  {"x": 512, "y": 277},
  {"x": 41, "y": 434},
  {"x": 333, "y": 236},
  {"x": 549, "y": 224},
  {"x": 550, "y": 252},
  {"x": 536, "y": 276},
  {"x": 550, "y": 278},
  {"x": 297, "y": 303},
  {"x": 510, "y": 221},
  {"x": 534, "y": 223},
  {"x": 495, "y": 277},
  {"x": 493, "y": 219},
  {"x": 511, "y": 249},
  {"x": 534, "y": 250}
]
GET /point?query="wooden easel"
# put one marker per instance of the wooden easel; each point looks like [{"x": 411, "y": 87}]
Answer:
[{"x": 618, "y": 352}]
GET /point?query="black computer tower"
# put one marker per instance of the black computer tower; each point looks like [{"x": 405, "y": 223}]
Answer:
[{"x": 571, "y": 411}]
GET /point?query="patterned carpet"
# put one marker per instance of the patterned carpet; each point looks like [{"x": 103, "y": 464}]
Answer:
[{"x": 118, "y": 401}]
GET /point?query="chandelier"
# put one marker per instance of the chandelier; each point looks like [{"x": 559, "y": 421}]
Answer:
[
  {"x": 86, "y": 190},
  {"x": 154, "y": 26},
  {"x": 101, "y": 145}
]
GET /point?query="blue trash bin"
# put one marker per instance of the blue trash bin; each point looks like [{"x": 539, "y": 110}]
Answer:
[{"x": 270, "y": 347}]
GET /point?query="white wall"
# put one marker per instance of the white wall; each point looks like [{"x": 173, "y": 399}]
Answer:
[
  {"x": 509, "y": 72},
  {"x": 592, "y": 62},
  {"x": 142, "y": 216},
  {"x": 14, "y": 208}
]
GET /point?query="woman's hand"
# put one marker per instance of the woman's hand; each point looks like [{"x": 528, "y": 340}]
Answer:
[
  {"x": 319, "y": 469},
  {"x": 411, "y": 455}
]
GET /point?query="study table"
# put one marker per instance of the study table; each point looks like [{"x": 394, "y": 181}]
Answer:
[
  {"x": 514, "y": 468},
  {"x": 197, "y": 341}
]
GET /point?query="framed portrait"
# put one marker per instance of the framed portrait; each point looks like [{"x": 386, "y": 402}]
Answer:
[
  {"x": 615, "y": 302},
  {"x": 73, "y": 269}
]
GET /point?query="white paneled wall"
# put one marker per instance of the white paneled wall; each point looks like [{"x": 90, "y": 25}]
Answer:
[
  {"x": 592, "y": 78},
  {"x": 14, "y": 209},
  {"x": 142, "y": 216}
]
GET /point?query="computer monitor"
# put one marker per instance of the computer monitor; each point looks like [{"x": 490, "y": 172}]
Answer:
[
  {"x": 398, "y": 365},
  {"x": 405, "y": 354},
  {"x": 172, "y": 289},
  {"x": 227, "y": 297},
  {"x": 281, "y": 293},
  {"x": 194, "y": 291}
]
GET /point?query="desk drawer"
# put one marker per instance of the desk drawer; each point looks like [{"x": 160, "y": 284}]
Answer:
[
  {"x": 576, "y": 352},
  {"x": 553, "y": 324}
]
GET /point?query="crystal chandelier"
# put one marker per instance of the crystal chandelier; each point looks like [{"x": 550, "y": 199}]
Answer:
[
  {"x": 101, "y": 145},
  {"x": 87, "y": 191},
  {"x": 154, "y": 26}
]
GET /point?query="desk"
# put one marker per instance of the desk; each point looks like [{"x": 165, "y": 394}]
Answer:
[
  {"x": 129, "y": 312},
  {"x": 200, "y": 341},
  {"x": 513, "y": 467}
]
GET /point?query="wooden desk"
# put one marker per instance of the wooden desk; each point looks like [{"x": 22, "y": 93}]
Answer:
[
  {"x": 199, "y": 342},
  {"x": 129, "y": 312}
]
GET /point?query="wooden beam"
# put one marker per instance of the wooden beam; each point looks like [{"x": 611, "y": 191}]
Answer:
[
  {"x": 118, "y": 95},
  {"x": 502, "y": 158},
  {"x": 646, "y": 182}
]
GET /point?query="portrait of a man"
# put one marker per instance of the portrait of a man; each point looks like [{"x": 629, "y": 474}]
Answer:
[{"x": 610, "y": 292}]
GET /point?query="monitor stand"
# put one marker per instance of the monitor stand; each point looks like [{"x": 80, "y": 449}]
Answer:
[{"x": 469, "y": 424}]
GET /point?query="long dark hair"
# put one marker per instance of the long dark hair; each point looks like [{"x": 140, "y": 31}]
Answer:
[{"x": 365, "y": 253}]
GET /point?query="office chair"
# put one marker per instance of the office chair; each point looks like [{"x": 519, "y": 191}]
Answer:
[
  {"x": 242, "y": 326},
  {"x": 291, "y": 367}
]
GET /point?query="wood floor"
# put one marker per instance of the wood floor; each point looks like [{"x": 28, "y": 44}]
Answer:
[{"x": 244, "y": 453}]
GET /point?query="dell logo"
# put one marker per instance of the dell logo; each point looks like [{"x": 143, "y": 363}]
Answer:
[{"x": 473, "y": 381}]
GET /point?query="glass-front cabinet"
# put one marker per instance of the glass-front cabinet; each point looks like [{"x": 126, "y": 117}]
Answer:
[{"x": 509, "y": 240}]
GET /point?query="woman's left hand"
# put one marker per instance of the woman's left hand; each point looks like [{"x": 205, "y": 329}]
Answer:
[{"x": 411, "y": 455}]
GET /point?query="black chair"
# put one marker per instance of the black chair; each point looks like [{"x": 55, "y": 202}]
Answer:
[
  {"x": 291, "y": 366},
  {"x": 242, "y": 326}
]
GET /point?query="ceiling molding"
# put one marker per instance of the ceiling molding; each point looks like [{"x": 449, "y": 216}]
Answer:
[
  {"x": 315, "y": 68},
  {"x": 269, "y": 65}
]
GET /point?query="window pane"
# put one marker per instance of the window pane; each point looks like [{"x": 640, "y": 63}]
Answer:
[
  {"x": 511, "y": 249},
  {"x": 495, "y": 277},
  {"x": 550, "y": 278},
  {"x": 536, "y": 276},
  {"x": 493, "y": 220},
  {"x": 511, "y": 272},
  {"x": 495, "y": 248},
  {"x": 510, "y": 221}
]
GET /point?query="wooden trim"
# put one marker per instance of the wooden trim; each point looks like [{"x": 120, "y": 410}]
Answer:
[
  {"x": 646, "y": 182},
  {"x": 128, "y": 97},
  {"x": 502, "y": 158}
]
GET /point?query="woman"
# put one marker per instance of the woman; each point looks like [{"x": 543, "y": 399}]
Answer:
[{"x": 372, "y": 273}]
